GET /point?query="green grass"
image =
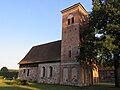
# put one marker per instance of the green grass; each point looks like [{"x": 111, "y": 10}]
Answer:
[{"x": 10, "y": 85}]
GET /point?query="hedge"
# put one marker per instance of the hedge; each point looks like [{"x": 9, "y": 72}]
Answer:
[{"x": 9, "y": 74}]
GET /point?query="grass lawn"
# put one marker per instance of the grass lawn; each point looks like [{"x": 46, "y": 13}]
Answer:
[{"x": 7, "y": 85}]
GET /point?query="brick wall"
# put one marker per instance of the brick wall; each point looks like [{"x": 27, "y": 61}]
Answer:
[{"x": 71, "y": 71}]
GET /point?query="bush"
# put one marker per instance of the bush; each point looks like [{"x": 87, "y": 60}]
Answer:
[
  {"x": 4, "y": 69},
  {"x": 21, "y": 82},
  {"x": 1, "y": 77},
  {"x": 9, "y": 74}
]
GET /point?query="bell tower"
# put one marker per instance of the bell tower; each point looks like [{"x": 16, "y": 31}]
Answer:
[{"x": 73, "y": 18}]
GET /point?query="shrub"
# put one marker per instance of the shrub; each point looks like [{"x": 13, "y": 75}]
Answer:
[
  {"x": 9, "y": 74},
  {"x": 1, "y": 77},
  {"x": 4, "y": 69},
  {"x": 21, "y": 82}
]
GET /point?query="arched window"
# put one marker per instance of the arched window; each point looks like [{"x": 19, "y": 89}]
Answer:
[
  {"x": 28, "y": 72},
  {"x": 65, "y": 75},
  {"x": 51, "y": 71},
  {"x": 74, "y": 75},
  {"x": 43, "y": 69},
  {"x": 69, "y": 53},
  {"x": 70, "y": 19},
  {"x": 24, "y": 71}
]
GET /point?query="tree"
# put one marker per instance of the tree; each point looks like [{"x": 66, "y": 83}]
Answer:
[
  {"x": 105, "y": 20},
  {"x": 4, "y": 69},
  {"x": 101, "y": 39}
]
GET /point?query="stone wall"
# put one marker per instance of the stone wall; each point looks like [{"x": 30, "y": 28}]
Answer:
[
  {"x": 46, "y": 76},
  {"x": 28, "y": 73},
  {"x": 74, "y": 74},
  {"x": 69, "y": 74}
]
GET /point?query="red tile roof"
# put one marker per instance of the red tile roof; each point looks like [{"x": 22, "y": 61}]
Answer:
[{"x": 43, "y": 53}]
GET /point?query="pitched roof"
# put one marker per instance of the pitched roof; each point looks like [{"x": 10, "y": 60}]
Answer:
[{"x": 43, "y": 53}]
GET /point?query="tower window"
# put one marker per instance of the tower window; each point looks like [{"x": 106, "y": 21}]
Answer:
[
  {"x": 68, "y": 21},
  {"x": 72, "y": 19},
  {"x": 70, "y": 53}
]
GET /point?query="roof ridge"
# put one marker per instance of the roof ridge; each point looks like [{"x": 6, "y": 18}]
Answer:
[{"x": 47, "y": 43}]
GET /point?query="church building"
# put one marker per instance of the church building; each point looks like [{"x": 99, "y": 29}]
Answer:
[{"x": 55, "y": 62}]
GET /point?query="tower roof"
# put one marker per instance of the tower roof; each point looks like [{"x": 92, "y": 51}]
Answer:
[{"x": 73, "y": 6}]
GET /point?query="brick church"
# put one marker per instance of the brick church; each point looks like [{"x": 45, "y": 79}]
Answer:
[{"x": 55, "y": 62}]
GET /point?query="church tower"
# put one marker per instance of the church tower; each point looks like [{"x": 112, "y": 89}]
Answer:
[{"x": 73, "y": 18}]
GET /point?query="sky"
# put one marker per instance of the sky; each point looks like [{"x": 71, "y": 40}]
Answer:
[{"x": 27, "y": 23}]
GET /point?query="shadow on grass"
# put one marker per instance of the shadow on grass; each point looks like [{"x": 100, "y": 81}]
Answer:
[
  {"x": 103, "y": 86},
  {"x": 13, "y": 88},
  {"x": 10, "y": 85},
  {"x": 100, "y": 86}
]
